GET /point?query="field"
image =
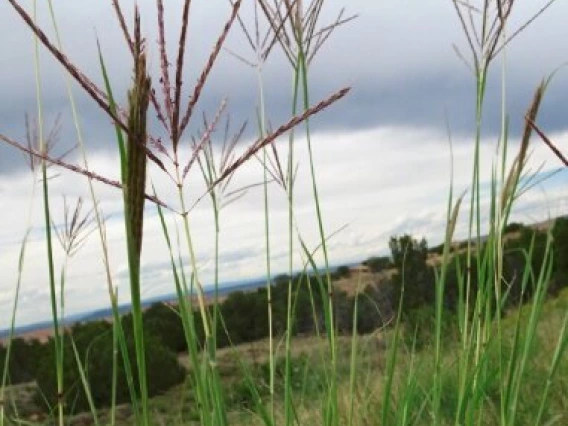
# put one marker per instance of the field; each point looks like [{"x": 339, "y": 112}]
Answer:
[{"x": 373, "y": 353}]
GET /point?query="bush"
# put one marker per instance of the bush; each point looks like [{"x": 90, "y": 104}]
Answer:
[
  {"x": 246, "y": 316},
  {"x": 342, "y": 272},
  {"x": 439, "y": 249},
  {"x": 377, "y": 264},
  {"x": 165, "y": 323},
  {"x": 515, "y": 260},
  {"x": 560, "y": 234},
  {"x": 414, "y": 276},
  {"x": 374, "y": 308},
  {"x": 94, "y": 343},
  {"x": 23, "y": 360},
  {"x": 514, "y": 227},
  {"x": 420, "y": 327}
]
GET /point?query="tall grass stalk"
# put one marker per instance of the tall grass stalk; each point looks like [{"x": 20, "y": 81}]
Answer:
[
  {"x": 58, "y": 336},
  {"x": 301, "y": 21},
  {"x": 21, "y": 262},
  {"x": 262, "y": 49},
  {"x": 332, "y": 417},
  {"x": 134, "y": 191},
  {"x": 288, "y": 407},
  {"x": 7, "y": 358},
  {"x": 354, "y": 361},
  {"x": 209, "y": 175},
  {"x": 560, "y": 350},
  {"x": 220, "y": 197},
  {"x": 486, "y": 324},
  {"x": 118, "y": 334},
  {"x": 210, "y": 378},
  {"x": 197, "y": 376},
  {"x": 266, "y": 201},
  {"x": 262, "y": 120}
]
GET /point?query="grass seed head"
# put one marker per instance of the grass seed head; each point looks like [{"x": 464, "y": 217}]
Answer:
[{"x": 138, "y": 100}]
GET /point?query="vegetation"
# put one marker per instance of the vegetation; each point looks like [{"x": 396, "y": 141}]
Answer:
[
  {"x": 469, "y": 338},
  {"x": 377, "y": 264},
  {"x": 92, "y": 341}
]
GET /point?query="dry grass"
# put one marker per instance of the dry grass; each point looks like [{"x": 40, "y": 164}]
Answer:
[{"x": 359, "y": 279}]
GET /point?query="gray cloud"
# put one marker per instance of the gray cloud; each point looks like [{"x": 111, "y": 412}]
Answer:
[{"x": 399, "y": 61}]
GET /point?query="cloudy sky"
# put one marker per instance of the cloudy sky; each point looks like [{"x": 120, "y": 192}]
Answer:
[{"x": 382, "y": 154}]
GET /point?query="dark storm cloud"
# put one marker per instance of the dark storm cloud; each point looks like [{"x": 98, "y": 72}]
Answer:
[{"x": 399, "y": 61}]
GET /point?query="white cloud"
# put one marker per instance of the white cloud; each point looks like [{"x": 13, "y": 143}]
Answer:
[{"x": 377, "y": 182}]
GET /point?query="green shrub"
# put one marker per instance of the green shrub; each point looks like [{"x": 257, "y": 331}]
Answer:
[
  {"x": 342, "y": 272},
  {"x": 420, "y": 327},
  {"x": 23, "y": 360},
  {"x": 165, "y": 323},
  {"x": 246, "y": 316},
  {"x": 560, "y": 234},
  {"x": 375, "y": 308},
  {"x": 377, "y": 264},
  {"x": 94, "y": 343},
  {"x": 514, "y": 227}
]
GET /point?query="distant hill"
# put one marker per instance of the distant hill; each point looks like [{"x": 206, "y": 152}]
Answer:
[{"x": 42, "y": 328}]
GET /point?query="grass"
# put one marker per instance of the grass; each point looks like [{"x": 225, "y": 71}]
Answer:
[
  {"x": 488, "y": 370},
  {"x": 369, "y": 388}
]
